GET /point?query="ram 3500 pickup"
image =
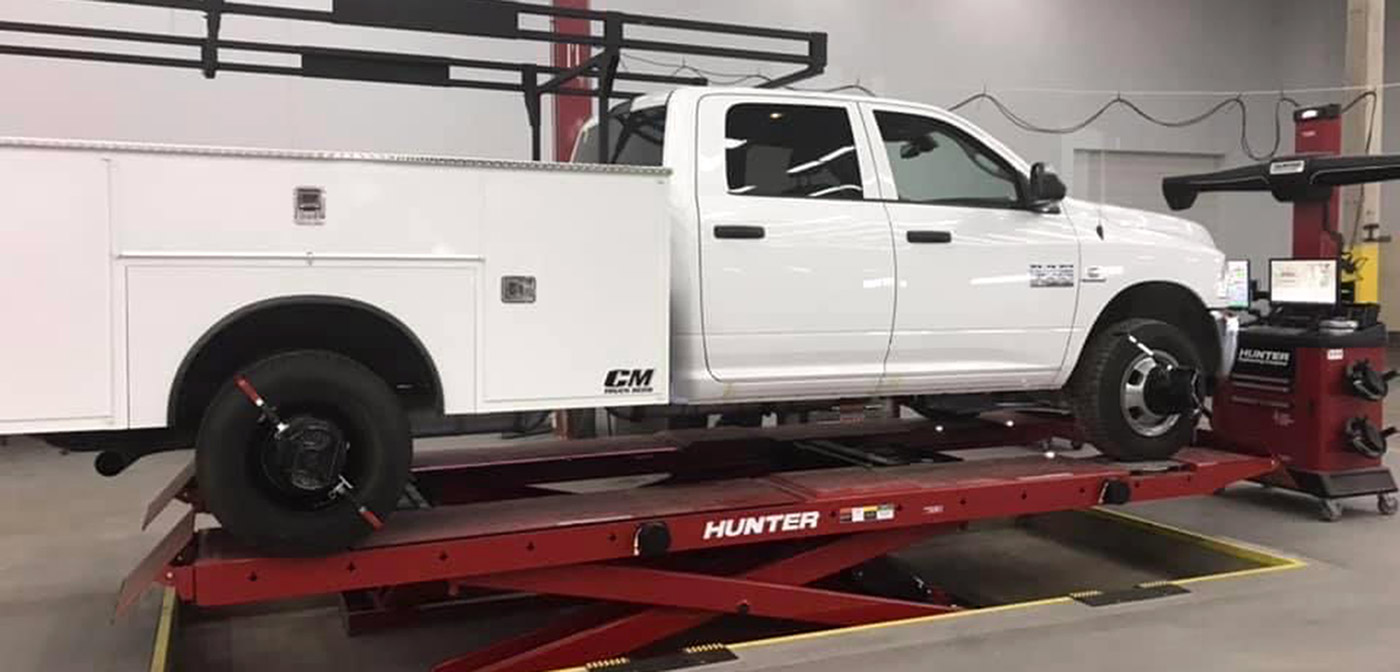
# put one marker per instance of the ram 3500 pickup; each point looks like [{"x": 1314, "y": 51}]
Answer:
[{"x": 299, "y": 315}]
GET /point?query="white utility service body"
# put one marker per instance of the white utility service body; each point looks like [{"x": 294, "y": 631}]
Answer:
[{"x": 122, "y": 259}]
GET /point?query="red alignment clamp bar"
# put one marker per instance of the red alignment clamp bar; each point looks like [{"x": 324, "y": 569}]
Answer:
[{"x": 248, "y": 391}]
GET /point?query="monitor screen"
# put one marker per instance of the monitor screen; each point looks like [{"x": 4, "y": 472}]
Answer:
[
  {"x": 1237, "y": 283},
  {"x": 1303, "y": 281}
]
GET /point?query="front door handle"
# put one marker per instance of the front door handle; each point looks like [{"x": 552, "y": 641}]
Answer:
[
  {"x": 929, "y": 237},
  {"x": 739, "y": 232}
]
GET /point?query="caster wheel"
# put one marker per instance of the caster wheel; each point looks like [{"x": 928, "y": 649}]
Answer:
[
  {"x": 1387, "y": 504},
  {"x": 1330, "y": 510}
]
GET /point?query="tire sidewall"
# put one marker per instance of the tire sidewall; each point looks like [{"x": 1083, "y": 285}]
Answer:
[
  {"x": 231, "y": 424},
  {"x": 1122, "y": 440}
]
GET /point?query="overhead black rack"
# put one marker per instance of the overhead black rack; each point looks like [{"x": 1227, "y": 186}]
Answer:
[{"x": 478, "y": 18}]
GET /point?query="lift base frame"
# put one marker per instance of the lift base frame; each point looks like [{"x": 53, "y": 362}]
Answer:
[{"x": 649, "y": 555}]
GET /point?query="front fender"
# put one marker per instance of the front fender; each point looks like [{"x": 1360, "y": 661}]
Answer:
[{"x": 1227, "y": 326}]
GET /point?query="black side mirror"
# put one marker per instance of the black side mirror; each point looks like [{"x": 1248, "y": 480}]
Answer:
[
  {"x": 1045, "y": 186},
  {"x": 920, "y": 145}
]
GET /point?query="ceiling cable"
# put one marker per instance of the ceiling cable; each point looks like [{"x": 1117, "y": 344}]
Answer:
[{"x": 1232, "y": 100}]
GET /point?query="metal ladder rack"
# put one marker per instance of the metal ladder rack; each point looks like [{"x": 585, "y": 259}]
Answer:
[{"x": 496, "y": 19}]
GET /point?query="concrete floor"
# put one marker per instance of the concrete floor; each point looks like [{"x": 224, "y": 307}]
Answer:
[
  {"x": 1336, "y": 613},
  {"x": 67, "y": 537}
]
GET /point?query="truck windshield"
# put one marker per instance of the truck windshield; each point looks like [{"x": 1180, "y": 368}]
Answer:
[{"x": 634, "y": 138}]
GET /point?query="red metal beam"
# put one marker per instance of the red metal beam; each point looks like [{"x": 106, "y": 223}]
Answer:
[
  {"x": 771, "y": 590},
  {"x": 1321, "y": 134},
  {"x": 705, "y": 593},
  {"x": 458, "y": 475},
  {"x": 570, "y": 112},
  {"x": 488, "y": 538},
  {"x": 559, "y": 544}
]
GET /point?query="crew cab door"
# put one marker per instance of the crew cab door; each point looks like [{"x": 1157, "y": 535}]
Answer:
[
  {"x": 797, "y": 266},
  {"x": 987, "y": 284}
]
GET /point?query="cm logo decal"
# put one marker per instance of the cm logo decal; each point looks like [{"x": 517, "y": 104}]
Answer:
[{"x": 628, "y": 381}]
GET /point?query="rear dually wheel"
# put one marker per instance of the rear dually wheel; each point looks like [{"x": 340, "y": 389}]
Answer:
[{"x": 313, "y": 470}]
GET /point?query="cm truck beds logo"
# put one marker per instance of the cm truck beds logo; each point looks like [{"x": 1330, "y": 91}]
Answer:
[
  {"x": 628, "y": 381},
  {"x": 725, "y": 528}
]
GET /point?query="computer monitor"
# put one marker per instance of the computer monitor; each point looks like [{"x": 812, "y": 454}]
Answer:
[
  {"x": 1303, "y": 281},
  {"x": 1237, "y": 284}
]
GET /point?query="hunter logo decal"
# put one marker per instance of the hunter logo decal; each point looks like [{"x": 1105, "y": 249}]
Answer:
[
  {"x": 628, "y": 381},
  {"x": 778, "y": 522},
  {"x": 1266, "y": 357},
  {"x": 1264, "y": 365}
]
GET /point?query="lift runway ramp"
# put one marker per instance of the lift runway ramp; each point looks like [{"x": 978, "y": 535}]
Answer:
[{"x": 822, "y": 547}]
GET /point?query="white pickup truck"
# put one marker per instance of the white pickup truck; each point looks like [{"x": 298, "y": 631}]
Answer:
[{"x": 304, "y": 312}]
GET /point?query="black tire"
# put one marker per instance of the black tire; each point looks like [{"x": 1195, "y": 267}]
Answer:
[
  {"x": 1096, "y": 391},
  {"x": 233, "y": 481}
]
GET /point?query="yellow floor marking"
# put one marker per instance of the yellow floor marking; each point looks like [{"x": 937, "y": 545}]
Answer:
[
  {"x": 160, "y": 653},
  {"x": 1218, "y": 544},
  {"x": 1270, "y": 563}
]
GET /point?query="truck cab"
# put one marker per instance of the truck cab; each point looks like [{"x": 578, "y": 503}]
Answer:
[{"x": 827, "y": 245}]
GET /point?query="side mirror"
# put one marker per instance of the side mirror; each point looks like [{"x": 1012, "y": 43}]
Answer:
[
  {"x": 1045, "y": 186},
  {"x": 920, "y": 145}
]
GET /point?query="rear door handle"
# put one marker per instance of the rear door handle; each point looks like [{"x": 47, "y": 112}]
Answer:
[
  {"x": 739, "y": 232},
  {"x": 929, "y": 237}
]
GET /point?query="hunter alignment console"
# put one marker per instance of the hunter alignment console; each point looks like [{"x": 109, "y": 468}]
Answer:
[{"x": 1309, "y": 378}]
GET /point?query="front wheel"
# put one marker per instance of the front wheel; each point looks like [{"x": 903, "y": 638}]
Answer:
[
  {"x": 1110, "y": 390},
  {"x": 317, "y": 473}
]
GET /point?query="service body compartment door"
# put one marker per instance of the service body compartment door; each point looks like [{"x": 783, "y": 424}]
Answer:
[
  {"x": 797, "y": 267},
  {"x": 576, "y": 298},
  {"x": 56, "y": 359}
]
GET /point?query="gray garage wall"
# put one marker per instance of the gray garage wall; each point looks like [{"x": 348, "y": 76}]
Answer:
[{"x": 935, "y": 51}]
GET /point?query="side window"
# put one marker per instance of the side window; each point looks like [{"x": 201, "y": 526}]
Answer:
[
  {"x": 803, "y": 151},
  {"x": 935, "y": 163},
  {"x": 635, "y": 138}
]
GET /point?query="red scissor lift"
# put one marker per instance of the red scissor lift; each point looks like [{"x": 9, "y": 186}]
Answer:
[{"x": 745, "y": 522}]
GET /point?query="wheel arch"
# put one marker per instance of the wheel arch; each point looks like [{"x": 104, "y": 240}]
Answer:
[
  {"x": 1170, "y": 302},
  {"x": 349, "y": 327}
]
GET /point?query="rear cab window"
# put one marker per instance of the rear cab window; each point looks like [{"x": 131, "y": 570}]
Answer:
[
  {"x": 798, "y": 151},
  {"x": 635, "y": 137}
]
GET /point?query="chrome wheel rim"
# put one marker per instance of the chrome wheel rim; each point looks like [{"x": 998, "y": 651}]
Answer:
[{"x": 1134, "y": 398}]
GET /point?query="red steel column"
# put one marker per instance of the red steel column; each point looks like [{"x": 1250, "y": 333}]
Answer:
[
  {"x": 1318, "y": 130},
  {"x": 570, "y": 112}
]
